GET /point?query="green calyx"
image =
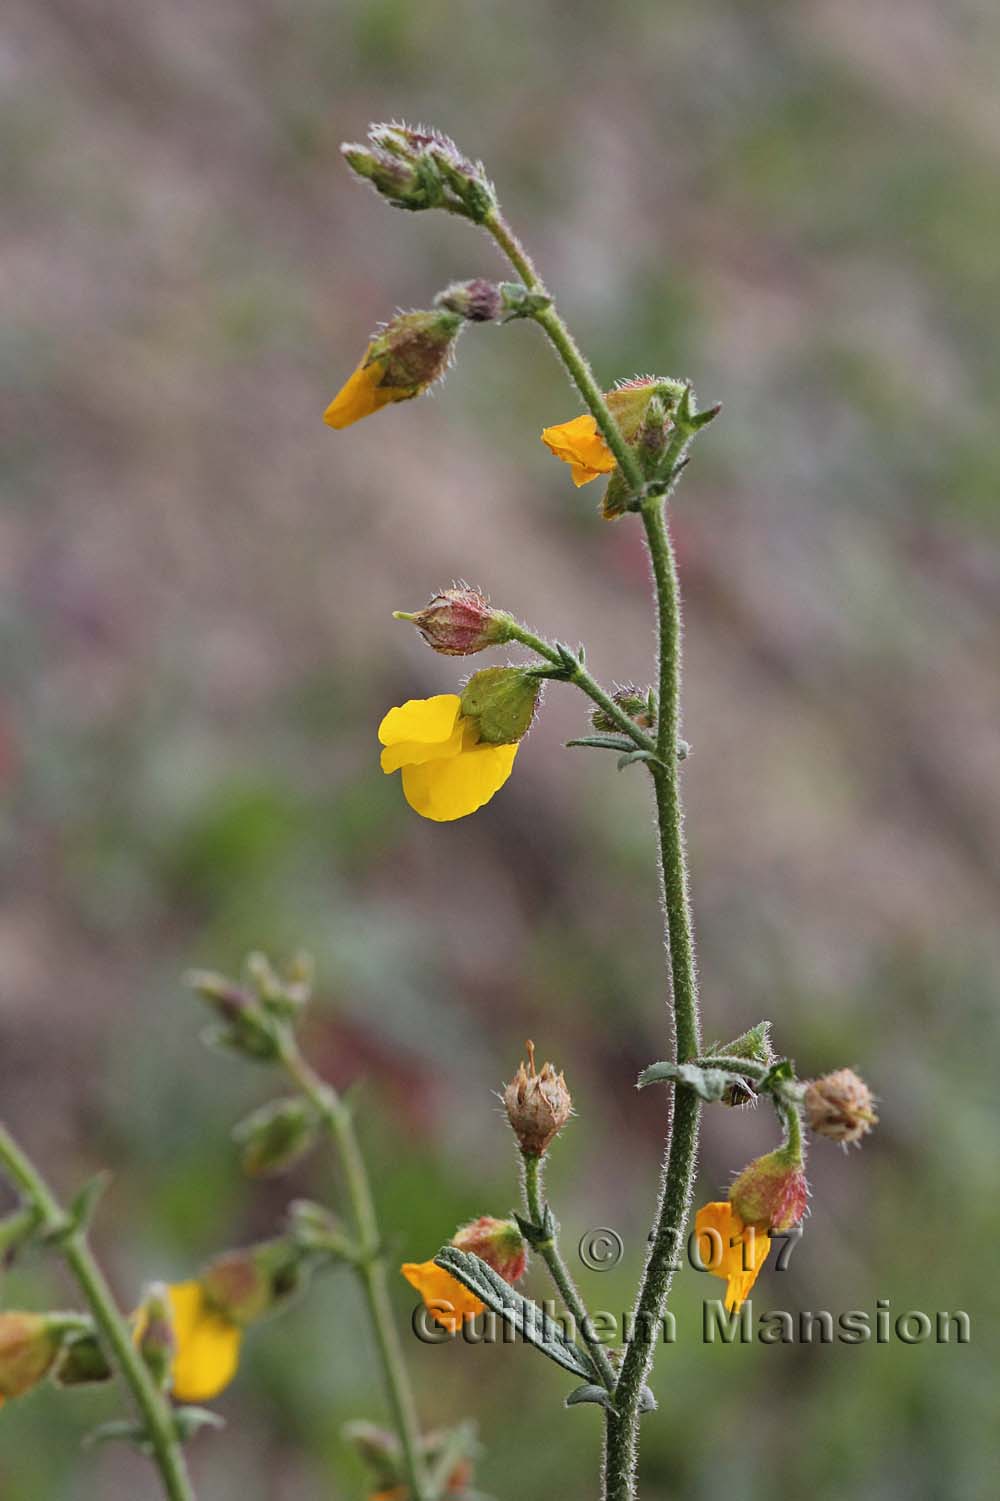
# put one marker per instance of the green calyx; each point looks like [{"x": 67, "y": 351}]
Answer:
[{"x": 502, "y": 702}]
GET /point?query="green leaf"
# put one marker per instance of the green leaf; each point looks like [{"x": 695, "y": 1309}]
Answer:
[
  {"x": 604, "y": 742},
  {"x": 119, "y": 1431},
  {"x": 538, "y": 1235},
  {"x": 590, "y": 1393},
  {"x": 530, "y": 1321},
  {"x": 190, "y": 1420},
  {"x": 84, "y": 1205},
  {"x": 708, "y": 1083}
]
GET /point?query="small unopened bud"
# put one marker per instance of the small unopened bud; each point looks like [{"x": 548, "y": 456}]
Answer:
[
  {"x": 403, "y": 183},
  {"x": 840, "y": 1106},
  {"x": 230, "y": 1000},
  {"x": 754, "y": 1044},
  {"x": 274, "y": 1137},
  {"x": 497, "y": 1242},
  {"x": 502, "y": 702},
  {"x": 313, "y": 1227},
  {"x": 246, "y": 1027},
  {"x": 29, "y": 1344},
  {"x": 381, "y": 1451},
  {"x": 156, "y": 1341},
  {"x": 458, "y": 622},
  {"x": 538, "y": 1105},
  {"x": 478, "y": 301},
  {"x": 639, "y": 704},
  {"x": 82, "y": 1362},
  {"x": 771, "y": 1193},
  {"x": 245, "y": 1285}
]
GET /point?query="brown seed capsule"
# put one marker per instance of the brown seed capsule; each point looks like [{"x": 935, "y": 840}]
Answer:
[
  {"x": 840, "y": 1106},
  {"x": 538, "y": 1105}
]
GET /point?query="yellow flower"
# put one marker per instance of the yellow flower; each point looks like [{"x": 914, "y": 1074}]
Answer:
[
  {"x": 447, "y": 773},
  {"x": 579, "y": 444},
  {"x": 734, "y": 1251},
  {"x": 446, "y": 1300},
  {"x": 207, "y": 1343},
  {"x": 361, "y": 395}
]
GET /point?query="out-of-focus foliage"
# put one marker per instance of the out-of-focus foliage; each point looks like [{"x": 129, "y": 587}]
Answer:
[{"x": 796, "y": 206}]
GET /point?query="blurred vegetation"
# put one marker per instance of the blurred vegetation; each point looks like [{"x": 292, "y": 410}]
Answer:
[{"x": 795, "y": 206}]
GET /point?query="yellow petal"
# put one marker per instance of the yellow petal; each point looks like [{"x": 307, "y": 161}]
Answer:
[
  {"x": 734, "y": 1251},
  {"x": 208, "y": 1345},
  {"x": 447, "y": 789},
  {"x": 416, "y": 752},
  {"x": 430, "y": 721},
  {"x": 360, "y": 396},
  {"x": 446, "y": 1300},
  {"x": 579, "y": 444}
]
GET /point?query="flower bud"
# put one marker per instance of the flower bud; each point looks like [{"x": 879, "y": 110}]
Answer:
[
  {"x": 407, "y": 357},
  {"x": 771, "y": 1193},
  {"x": 538, "y": 1105},
  {"x": 276, "y": 1136},
  {"x": 502, "y": 702},
  {"x": 380, "y": 1449},
  {"x": 82, "y": 1362},
  {"x": 840, "y": 1106},
  {"x": 458, "y": 622},
  {"x": 478, "y": 301},
  {"x": 639, "y": 704},
  {"x": 245, "y": 1285},
  {"x": 29, "y": 1344},
  {"x": 156, "y": 1342},
  {"x": 417, "y": 169},
  {"x": 401, "y": 182},
  {"x": 754, "y": 1044},
  {"x": 497, "y": 1242}
]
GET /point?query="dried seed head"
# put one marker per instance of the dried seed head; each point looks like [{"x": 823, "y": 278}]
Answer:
[
  {"x": 538, "y": 1105},
  {"x": 840, "y": 1106}
]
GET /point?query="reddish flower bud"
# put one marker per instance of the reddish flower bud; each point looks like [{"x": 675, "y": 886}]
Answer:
[
  {"x": 478, "y": 301},
  {"x": 538, "y": 1105},
  {"x": 771, "y": 1193},
  {"x": 840, "y": 1106},
  {"x": 458, "y": 622},
  {"x": 638, "y": 703},
  {"x": 497, "y": 1242}
]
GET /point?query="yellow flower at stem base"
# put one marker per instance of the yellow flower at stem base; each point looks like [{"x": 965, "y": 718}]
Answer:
[
  {"x": 446, "y": 1300},
  {"x": 447, "y": 772},
  {"x": 579, "y": 444},
  {"x": 731, "y": 1249}
]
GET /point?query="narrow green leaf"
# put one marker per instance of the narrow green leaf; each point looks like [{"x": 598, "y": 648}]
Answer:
[
  {"x": 590, "y": 1393},
  {"x": 530, "y": 1321}
]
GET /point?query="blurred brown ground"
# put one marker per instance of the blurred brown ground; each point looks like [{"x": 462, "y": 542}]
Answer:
[{"x": 796, "y": 207}]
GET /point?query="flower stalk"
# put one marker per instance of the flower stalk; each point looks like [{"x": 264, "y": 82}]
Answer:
[{"x": 71, "y": 1239}]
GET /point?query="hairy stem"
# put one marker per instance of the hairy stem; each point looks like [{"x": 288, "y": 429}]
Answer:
[
  {"x": 158, "y": 1420},
  {"x": 677, "y": 1178},
  {"x": 370, "y": 1262},
  {"x": 561, "y": 1275}
]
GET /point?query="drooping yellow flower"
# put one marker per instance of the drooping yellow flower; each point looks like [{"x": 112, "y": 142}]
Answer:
[
  {"x": 447, "y": 772},
  {"x": 731, "y": 1249},
  {"x": 360, "y": 396},
  {"x": 446, "y": 1300},
  {"x": 579, "y": 444},
  {"x": 206, "y": 1344}
]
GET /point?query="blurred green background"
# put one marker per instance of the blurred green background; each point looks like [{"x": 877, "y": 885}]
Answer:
[{"x": 793, "y": 204}]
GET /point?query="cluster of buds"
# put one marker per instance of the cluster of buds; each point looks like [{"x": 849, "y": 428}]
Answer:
[
  {"x": 538, "y": 1105},
  {"x": 252, "y": 1012},
  {"x": 840, "y": 1106},
  {"x": 421, "y": 169},
  {"x": 459, "y": 622}
]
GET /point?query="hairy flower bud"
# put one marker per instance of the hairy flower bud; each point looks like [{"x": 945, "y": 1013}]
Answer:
[
  {"x": 840, "y": 1106},
  {"x": 771, "y": 1193},
  {"x": 81, "y": 1362},
  {"x": 458, "y": 622},
  {"x": 497, "y": 1242},
  {"x": 246, "y": 1027},
  {"x": 401, "y": 362},
  {"x": 420, "y": 168},
  {"x": 245, "y": 1285},
  {"x": 538, "y": 1105},
  {"x": 478, "y": 301},
  {"x": 502, "y": 702},
  {"x": 275, "y": 1136},
  {"x": 639, "y": 704}
]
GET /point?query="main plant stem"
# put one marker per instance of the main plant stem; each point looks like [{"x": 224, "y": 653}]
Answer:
[
  {"x": 680, "y": 1158},
  {"x": 561, "y": 1275},
  {"x": 369, "y": 1262},
  {"x": 158, "y": 1419}
]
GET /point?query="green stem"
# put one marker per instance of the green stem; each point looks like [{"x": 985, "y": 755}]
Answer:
[
  {"x": 156, "y": 1412},
  {"x": 369, "y": 1263},
  {"x": 561, "y": 1275},
  {"x": 677, "y": 1177},
  {"x": 582, "y": 678},
  {"x": 569, "y": 352}
]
